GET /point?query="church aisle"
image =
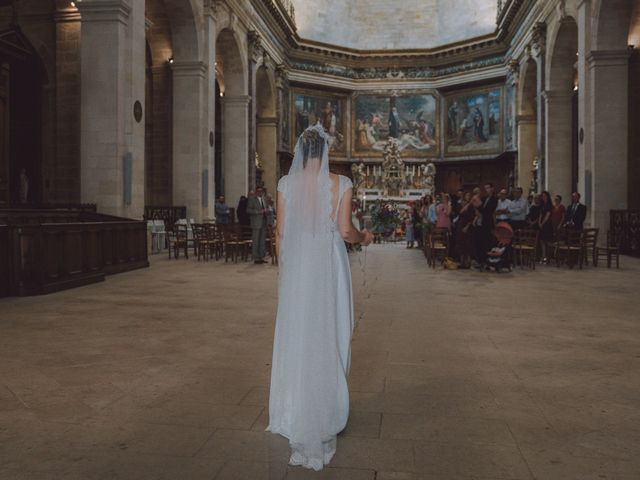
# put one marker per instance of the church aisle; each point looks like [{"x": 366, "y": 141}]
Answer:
[{"x": 164, "y": 373}]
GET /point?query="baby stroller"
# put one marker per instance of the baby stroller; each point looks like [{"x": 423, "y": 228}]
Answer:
[{"x": 499, "y": 257}]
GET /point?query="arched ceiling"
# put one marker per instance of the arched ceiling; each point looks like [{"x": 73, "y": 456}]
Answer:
[{"x": 393, "y": 25}]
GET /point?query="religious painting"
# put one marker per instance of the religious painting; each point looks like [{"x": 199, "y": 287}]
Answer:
[
  {"x": 285, "y": 128},
  {"x": 474, "y": 122},
  {"x": 410, "y": 117},
  {"x": 310, "y": 107}
]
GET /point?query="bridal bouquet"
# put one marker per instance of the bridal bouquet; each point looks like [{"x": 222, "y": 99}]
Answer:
[{"x": 385, "y": 218}]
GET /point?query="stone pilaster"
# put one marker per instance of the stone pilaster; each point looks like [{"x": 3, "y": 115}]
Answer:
[
  {"x": 65, "y": 174},
  {"x": 189, "y": 83},
  {"x": 609, "y": 127},
  {"x": 235, "y": 146},
  {"x": 559, "y": 109},
  {"x": 538, "y": 53},
  {"x": 527, "y": 149},
  {"x": 111, "y": 82}
]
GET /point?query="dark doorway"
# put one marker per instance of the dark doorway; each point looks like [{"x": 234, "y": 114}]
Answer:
[{"x": 22, "y": 77}]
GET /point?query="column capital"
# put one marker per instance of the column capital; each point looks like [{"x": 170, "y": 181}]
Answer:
[
  {"x": 66, "y": 15},
  {"x": 104, "y": 10},
  {"x": 189, "y": 69},
  {"x": 237, "y": 100},
  {"x": 608, "y": 58},
  {"x": 267, "y": 121}
]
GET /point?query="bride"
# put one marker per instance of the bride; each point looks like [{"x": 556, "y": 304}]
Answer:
[{"x": 309, "y": 399}]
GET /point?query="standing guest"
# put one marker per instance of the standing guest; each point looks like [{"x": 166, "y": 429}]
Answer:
[
  {"x": 503, "y": 208},
  {"x": 464, "y": 235},
  {"x": 432, "y": 214},
  {"x": 443, "y": 213},
  {"x": 222, "y": 211},
  {"x": 241, "y": 211},
  {"x": 408, "y": 227},
  {"x": 271, "y": 213},
  {"x": 576, "y": 213},
  {"x": 534, "y": 213},
  {"x": 545, "y": 225},
  {"x": 487, "y": 222},
  {"x": 417, "y": 224},
  {"x": 257, "y": 209},
  {"x": 518, "y": 210},
  {"x": 557, "y": 214}
]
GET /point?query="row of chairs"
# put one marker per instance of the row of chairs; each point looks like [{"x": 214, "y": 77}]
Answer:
[
  {"x": 572, "y": 247},
  {"x": 207, "y": 240}
]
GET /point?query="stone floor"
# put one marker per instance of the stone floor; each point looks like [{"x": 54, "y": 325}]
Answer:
[{"x": 163, "y": 374}]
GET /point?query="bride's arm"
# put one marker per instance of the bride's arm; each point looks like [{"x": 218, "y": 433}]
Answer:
[
  {"x": 279, "y": 221},
  {"x": 348, "y": 231}
]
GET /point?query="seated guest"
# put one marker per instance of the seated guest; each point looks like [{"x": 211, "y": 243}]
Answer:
[
  {"x": 576, "y": 213},
  {"x": 533, "y": 216},
  {"x": 503, "y": 210},
  {"x": 557, "y": 213}
]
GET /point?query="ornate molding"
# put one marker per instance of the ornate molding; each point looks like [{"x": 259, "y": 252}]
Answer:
[
  {"x": 189, "y": 69},
  {"x": 256, "y": 51},
  {"x": 105, "y": 10},
  {"x": 538, "y": 39},
  {"x": 282, "y": 75},
  {"x": 379, "y": 73}
]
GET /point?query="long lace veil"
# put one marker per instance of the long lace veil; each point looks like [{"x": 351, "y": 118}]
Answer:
[{"x": 305, "y": 383}]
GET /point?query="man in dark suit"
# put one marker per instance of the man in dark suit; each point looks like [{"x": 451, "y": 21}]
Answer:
[
  {"x": 576, "y": 213},
  {"x": 487, "y": 222},
  {"x": 257, "y": 209}
]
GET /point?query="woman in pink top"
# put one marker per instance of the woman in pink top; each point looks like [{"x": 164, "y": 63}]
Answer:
[{"x": 443, "y": 213}]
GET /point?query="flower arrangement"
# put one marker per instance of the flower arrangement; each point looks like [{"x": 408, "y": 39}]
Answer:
[{"x": 385, "y": 218}]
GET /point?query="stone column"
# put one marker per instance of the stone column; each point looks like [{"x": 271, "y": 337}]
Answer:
[
  {"x": 538, "y": 48},
  {"x": 65, "y": 175},
  {"x": 112, "y": 76},
  {"x": 210, "y": 32},
  {"x": 527, "y": 149},
  {"x": 189, "y": 79},
  {"x": 585, "y": 167},
  {"x": 558, "y": 105},
  {"x": 267, "y": 145},
  {"x": 609, "y": 126},
  {"x": 235, "y": 147},
  {"x": 255, "y": 57}
]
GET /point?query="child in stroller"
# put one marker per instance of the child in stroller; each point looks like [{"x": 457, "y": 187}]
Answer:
[{"x": 499, "y": 257}]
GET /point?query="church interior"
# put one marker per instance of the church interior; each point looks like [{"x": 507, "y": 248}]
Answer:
[{"x": 137, "y": 330}]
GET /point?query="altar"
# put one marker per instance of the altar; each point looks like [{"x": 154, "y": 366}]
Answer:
[{"x": 393, "y": 180}]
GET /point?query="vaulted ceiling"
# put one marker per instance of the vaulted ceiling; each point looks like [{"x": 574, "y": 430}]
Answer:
[{"x": 393, "y": 24}]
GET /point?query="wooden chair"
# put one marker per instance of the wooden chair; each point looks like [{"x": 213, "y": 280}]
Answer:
[
  {"x": 569, "y": 248},
  {"x": 437, "y": 246},
  {"x": 611, "y": 250},
  {"x": 202, "y": 241},
  {"x": 216, "y": 240},
  {"x": 525, "y": 247},
  {"x": 271, "y": 242},
  {"x": 232, "y": 245},
  {"x": 590, "y": 245},
  {"x": 177, "y": 236}
]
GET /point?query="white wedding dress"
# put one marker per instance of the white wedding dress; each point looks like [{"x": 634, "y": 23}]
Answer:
[{"x": 309, "y": 398}]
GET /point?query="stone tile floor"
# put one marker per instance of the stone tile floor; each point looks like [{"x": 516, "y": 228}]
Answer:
[{"x": 163, "y": 374}]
